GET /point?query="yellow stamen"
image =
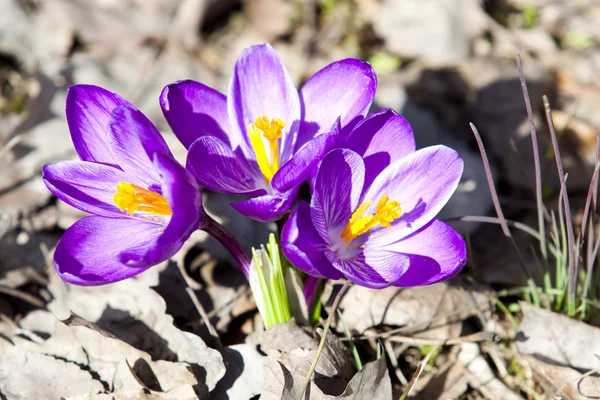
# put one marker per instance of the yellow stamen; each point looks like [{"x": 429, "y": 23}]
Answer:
[
  {"x": 132, "y": 198},
  {"x": 386, "y": 211},
  {"x": 272, "y": 131}
]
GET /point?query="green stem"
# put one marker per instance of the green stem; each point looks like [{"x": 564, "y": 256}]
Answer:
[{"x": 508, "y": 314}]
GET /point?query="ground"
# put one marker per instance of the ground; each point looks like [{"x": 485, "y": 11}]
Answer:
[{"x": 189, "y": 328}]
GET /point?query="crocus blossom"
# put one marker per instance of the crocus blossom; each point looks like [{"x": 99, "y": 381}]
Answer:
[
  {"x": 144, "y": 205},
  {"x": 265, "y": 137},
  {"x": 372, "y": 213}
]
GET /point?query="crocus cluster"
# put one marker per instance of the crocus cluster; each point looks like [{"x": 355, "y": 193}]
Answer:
[
  {"x": 265, "y": 137},
  {"x": 373, "y": 196}
]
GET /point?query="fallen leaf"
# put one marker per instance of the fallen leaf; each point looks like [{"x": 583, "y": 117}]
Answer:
[
  {"x": 295, "y": 348},
  {"x": 244, "y": 378},
  {"x": 437, "y": 310},
  {"x": 26, "y": 375},
  {"x": 448, "y": 382},
  {"x": 136, "y": 314},
  {"x": 372, "y": 382},
  {"x": 564, "y": 382},
  {"x": 558, "y": 339}
]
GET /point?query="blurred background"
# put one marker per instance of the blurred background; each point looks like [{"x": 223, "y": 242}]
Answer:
[{"x": 440, "y": 63}]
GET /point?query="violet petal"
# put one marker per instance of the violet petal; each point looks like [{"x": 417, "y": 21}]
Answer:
[
  {"x": 134, "y": 141},
  {"x": 338, "y": 185},
  {"x": 343, "y": 88},
  {"x": 183, "y": 195},
  {"x": 357, "y": 270},
  {"x": 87, "y": 186},
  {"x": 436, "y": 252},
  {"x": 381, "y": 138},
  {"x": 194, "y": 110},
  {"x": 88, "y": 252},
  {"x": 268, "y": 207},
  {"x": 303, "y": 246},
  {"x": 88, "y": 112},
  {"x": 422, "y": 182},
  {"x": 217, "y": 168},
  {"x": 261, "y": 86},
  {"x": 304, "y": 163}
]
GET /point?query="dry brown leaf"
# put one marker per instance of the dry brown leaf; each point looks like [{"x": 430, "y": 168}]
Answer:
[
  {"x": 558, "y": 339},
  {"x": 448, "y": 382},
  {"x": 113, "y": 363},
  {"x": 372, "y": 381},
  {"x": 28, "y": 375},
  {"x": 410, "y": 307},
  {"x": 295, "y": 348},
  {"x": 564, "y": 382},
  {"x": 136, "y": 314},
  {"x": 244, "y": 378}
]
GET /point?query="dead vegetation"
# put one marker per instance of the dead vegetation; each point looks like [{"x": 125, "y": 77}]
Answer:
[{"x": 189, "y": 328}]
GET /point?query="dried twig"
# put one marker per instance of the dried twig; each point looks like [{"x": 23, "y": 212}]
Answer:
[
  {"x": 423, "y": 326},
  {"x": 23, "y": 296},
  {"x": 475, "y": 337},
  {"x": 313, "y": 366},
  {"x": 205, "y": 319},
  {"x": 417, "y": 373},
  {"x": 387, "y": 344}
]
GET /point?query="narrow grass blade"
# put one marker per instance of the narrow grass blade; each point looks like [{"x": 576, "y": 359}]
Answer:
[
  {"x": 495, "y": 201},
  {"x": 572, "y": 261},
  {"x": 351, "y": 343},
  {"x": 536, "y": 160},
  {"x": 417, "y": 373}
]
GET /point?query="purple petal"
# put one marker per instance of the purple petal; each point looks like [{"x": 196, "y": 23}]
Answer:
[
  {"x": 338, "y": 185},
  {"x": 261, "y": 86},
  {"x": 381, "y": 139},
  {"x": 217, "y": 168},
  {"x": 422, "y": 182},
  {"x": 303, "y": 246},
  {"x": 343, "y": 89},
  {"x": 358, "y": 269},
  {"x": 88, "y": 112},
  {"x": 436, "y": 252},
  {"x": 304, "y": 163},
  {"x": 194, "y": 110},
  {"x": 88, "y": 252},
  {"x": 268, "y": 207},
  {"x": 134, "y": 141},
  {"x": 183, "y": 195},
  {"x": 87, "y": 186}
]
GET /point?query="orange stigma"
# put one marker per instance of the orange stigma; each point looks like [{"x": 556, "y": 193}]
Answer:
[
  {"x": 386, "y": 211},
  {"x": 271, "y": 130},
  {"x": 132, "y": 198}
]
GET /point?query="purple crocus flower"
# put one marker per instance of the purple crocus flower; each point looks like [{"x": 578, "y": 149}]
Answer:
[
  {"x": 371, "y": 216},
  {"x": 144, "y": 204},
  {"x": 265, "y": 137}
]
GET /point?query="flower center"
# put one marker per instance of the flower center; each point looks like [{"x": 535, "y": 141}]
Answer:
[
  {"x": 386, "y": 211},
  {"x": 132, "y": 198},
  {"x": 271, "y": 131}
]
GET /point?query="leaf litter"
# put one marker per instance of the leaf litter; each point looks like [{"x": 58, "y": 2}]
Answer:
[{"x": 145, "y": 339}]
